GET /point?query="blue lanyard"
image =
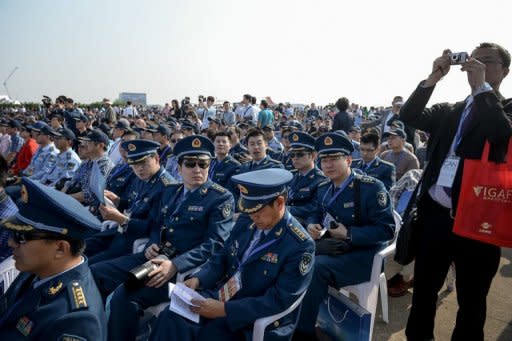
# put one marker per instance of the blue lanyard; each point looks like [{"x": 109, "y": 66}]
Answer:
[
  {"x": 338, "y": 191},
  {"x": 164, "y": 152},
  {"x": 254, "y": 251},
  {"x": 213, "y": 166},
  {"x": 465, "y": 114},
  {"x": 118, "y": 171}
]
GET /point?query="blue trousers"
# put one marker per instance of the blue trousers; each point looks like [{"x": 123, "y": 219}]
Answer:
[{"x": 171, "y": 326}]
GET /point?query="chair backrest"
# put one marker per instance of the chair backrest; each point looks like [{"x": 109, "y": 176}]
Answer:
[{"x": 8, "y": 272}]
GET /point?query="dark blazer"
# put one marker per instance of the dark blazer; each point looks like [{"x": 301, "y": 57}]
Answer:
[
  {"x": 492, "y": 121},
  {"x": 343, "y": 121}
]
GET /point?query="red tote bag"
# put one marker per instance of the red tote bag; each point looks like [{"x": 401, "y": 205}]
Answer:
[{"x": 484, "y": 211}]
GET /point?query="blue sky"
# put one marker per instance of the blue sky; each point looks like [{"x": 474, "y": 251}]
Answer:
[{"x": 297, "y": 51}]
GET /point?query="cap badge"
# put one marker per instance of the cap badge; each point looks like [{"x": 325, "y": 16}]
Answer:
[
  {"x": 328, "y": 141},
  {"x": 132, "y": 147},
  {"x": 196, "y": 143},
  {"x": 295, "y": 137}
]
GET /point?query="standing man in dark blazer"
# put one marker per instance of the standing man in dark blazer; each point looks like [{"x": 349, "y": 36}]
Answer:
[
  {"x": 343, "y": 120},
  {"x": 458, "y": 132}
]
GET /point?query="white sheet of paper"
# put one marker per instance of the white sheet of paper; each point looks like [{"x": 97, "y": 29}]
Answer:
[
  {"x": 448, "y": 171},
  {"x": 181, "y": 300}
]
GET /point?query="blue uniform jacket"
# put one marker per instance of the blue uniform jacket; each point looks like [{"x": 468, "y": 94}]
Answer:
[
  {"x": 301, "y": 193},
  {"x": 120, "y": 179},
  {"x": 197, "y": 226},
  {"x": 68, "y": 305},
  {"x": 266, "y": 163},
  {"x": 272, "y": 279},
  {"x": 376, "y": 226},
  {"x": 143, "y": 197},
  {"x": 222, "y": 171},
  {"x": 379, "y": 169}
]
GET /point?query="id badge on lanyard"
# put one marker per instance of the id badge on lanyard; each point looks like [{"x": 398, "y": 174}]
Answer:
[
  {"x": 448, "y": 171},
  {"x": 231, "y": 287}
]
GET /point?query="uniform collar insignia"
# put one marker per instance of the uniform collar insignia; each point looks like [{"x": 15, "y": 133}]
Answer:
[{"x": 54, "y": 290}]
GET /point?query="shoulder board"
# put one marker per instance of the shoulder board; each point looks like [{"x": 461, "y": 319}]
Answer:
[
  {"x": 364, "y": 178},
  {"x": 325, "y": 182},
  {"x": 165, "y": 180},
  {"x": 218, "y": 188},
  {"x": 298, "y": 232},
  {"x": 76, "y": 296},
  {"x": 275, "y": 161}
]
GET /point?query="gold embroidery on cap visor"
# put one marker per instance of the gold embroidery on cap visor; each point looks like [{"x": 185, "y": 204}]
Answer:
[
  {"x": 243, "y": 189},
  {"x": 249, "y": 210}
]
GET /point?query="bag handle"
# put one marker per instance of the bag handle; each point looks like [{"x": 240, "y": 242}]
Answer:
[
  {"x": 332, "y": 315},
  {"x": 487, "y": 148}
]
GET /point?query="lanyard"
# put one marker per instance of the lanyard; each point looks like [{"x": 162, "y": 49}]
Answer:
[
  {"x": 465, "y": 114},
  {"x": 117, "y": 171},
  {"x": 338, "y": 191},
  {"x": 164, "y": 151},
  {"x": 213, "y": 166},
  {"x": 254, "y": 251}
]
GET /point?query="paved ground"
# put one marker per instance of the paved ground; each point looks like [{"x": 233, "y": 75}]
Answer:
[{"x": 498, "y": 326}]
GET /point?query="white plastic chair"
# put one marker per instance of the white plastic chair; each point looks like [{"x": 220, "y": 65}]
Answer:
[
  {"x": 367, "y": 293},
  {"x": 258, "y": 331},
  {"x": 8, "y": 272}
]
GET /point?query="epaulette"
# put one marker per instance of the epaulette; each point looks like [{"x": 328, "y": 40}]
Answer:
[
  {"x": 77, "y": 296},
  {"x": 325, "y": 182},
  {"x": 165, "y": 180},
  {"x": 218, "y": 188},
  {"x": 298, "y": 232},
  {"x": 364, "y": 178},
  {"x": 275, "y": 161}
]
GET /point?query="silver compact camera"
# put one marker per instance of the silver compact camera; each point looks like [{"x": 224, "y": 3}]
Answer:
[{"x": 458, "y": 58}]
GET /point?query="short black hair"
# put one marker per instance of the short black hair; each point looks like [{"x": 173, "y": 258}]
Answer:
[
  {"x": 372, "y": 139},
  {"x": 342, "y": 104},
  {"x": 76, "y": 246},
  {"x": 264, "y": 103},
  {"x": 248, "y": 97},
  {"x": 221, "y": 134},
  {"x": 504, "y": 54},
  {"x": 210, "y": 99},
  {"x": 254, "y": 132}
]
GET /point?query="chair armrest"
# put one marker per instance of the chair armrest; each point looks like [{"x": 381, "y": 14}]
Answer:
[{"x": 260, "y": 324}]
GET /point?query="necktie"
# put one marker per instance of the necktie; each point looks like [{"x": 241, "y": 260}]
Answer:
[{"x": 255, "y": 239}]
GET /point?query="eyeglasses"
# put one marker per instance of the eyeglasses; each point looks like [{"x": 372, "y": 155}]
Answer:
[
  {"x": 297, "y": 155},
  {"x": 23, "y": 238},
  {"x": 203, "y": 164}
]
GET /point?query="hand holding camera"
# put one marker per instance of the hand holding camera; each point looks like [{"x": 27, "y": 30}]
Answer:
[{"x": 440, "y": 68}]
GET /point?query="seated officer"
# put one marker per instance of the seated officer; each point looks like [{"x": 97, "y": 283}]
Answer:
[
  {"x": 192, "y": 219},
  {"x": 306, "y": 177},
  {"x": 54, "y": 297},
  {"x": 68, "y": 160},
  {"x": 357, "y": 212},
  {"x": 267, "y": 264},
  {"x": 131, "y": 212},
  {"x": 162, "y": 134},
  {"x": 371, "y": 164},
  {"x": 121, "y": 177},
  {"x": 224, "y": 166},
  {"x": 257, "y": 146}
]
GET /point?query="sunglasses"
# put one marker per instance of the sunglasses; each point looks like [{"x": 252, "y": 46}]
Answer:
[
  {"x": 174, "y": 140},
  {"x": 23, "y": 238},
  {"x": 297, "y": 154},
  {"x": 203, "y": 164}
]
